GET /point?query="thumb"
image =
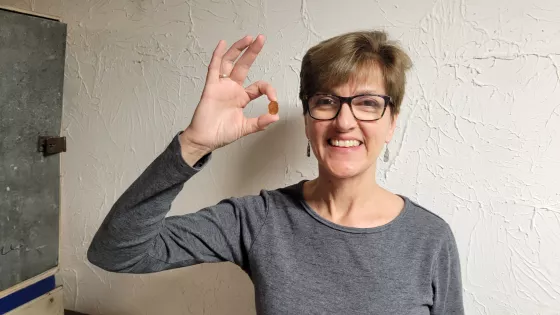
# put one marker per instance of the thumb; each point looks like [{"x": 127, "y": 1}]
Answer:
[{"x": 260, "y": 123}]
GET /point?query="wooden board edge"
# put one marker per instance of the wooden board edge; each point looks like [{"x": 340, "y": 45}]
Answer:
[
  {"x": 42, "y": 303},
  {"x": 29, "y": 282},
  {"x": 59, "y": 253},
  {"x": 18, "y": 10}
]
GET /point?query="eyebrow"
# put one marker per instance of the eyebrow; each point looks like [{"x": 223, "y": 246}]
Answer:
[
  {"x": 367, "y": 92},
  {"x": 358, "y": 92}
]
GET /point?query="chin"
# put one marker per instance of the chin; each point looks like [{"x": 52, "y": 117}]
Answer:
[{"x": 344, "y": 170}]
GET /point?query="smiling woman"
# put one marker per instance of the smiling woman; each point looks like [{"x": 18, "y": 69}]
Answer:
[
  {"x": 336, "y": 244},
  {"x": 369, "y": 71}
]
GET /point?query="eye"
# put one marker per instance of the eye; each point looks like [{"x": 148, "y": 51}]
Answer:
[
  {"x": 325, "y": 100},
  {"x": 375, "y": 102}
]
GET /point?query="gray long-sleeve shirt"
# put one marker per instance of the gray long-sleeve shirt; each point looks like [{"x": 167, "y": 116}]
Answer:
[{"x": 299, "y": 262}]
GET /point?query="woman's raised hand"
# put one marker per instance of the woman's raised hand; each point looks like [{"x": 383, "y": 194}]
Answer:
[{"x": 218, "y": 119}]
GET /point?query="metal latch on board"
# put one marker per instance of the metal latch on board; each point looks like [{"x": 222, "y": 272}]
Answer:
[{"x": 52, "y": 145}]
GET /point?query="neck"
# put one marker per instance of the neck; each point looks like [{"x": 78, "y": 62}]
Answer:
[{"x": 340, "y": 198}]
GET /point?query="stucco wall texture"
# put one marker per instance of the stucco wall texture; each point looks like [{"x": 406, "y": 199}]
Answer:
[{"x": 478, "y": 140}]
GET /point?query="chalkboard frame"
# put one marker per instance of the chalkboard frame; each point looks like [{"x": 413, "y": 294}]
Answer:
[{"x": 49, "y": 273}]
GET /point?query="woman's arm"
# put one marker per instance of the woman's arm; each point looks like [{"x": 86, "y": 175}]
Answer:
[
  {"x": 136, "y": 237},
  {"x": 446, "y": 279}
]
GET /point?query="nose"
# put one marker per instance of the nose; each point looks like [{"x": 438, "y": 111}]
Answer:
[{"x": 345, "y": 119}]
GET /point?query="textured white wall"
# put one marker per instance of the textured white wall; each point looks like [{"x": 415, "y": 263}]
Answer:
[{"x": 478, "y": 141}]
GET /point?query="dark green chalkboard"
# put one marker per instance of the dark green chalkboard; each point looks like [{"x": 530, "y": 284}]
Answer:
[{"x": 32, "y": 53}]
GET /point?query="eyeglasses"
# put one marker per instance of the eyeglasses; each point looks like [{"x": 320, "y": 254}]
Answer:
[{"x": 364, "y": 107}]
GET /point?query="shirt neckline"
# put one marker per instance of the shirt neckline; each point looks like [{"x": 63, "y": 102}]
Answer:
[{"x": 356, "y": 230}]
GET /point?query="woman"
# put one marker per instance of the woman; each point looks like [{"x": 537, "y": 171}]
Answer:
[{"x": 337, "y": 244}]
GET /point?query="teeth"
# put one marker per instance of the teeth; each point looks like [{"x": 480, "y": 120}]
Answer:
[{"x": 345, "y": 143}]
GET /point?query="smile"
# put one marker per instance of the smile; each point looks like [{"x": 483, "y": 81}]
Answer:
[{"x": 344, "y": 143}]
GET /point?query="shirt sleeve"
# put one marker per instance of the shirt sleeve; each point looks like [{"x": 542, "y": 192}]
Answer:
[
  {"x": 137, "y": 237},
  {"x": 446, "y": 279}
]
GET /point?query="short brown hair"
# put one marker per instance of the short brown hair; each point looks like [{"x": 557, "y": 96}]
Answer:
[{"x": 351, "y": 56}]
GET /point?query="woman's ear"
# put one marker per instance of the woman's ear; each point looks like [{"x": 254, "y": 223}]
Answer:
[
  {"x": 392, "y": 127},
  {"x": 305, "y": 126}
]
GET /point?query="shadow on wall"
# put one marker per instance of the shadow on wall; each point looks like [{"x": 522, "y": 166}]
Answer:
[
  {"x": 274, "y": 152},
  {"x": 211, "y": 289}
]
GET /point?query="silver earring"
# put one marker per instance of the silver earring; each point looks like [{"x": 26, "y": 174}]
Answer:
[
  {"x": 308, "y": 149},
  {"x": 386, "y": 155}
]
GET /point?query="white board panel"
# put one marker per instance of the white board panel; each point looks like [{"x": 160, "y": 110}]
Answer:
[{"x": 48, "y": 304}]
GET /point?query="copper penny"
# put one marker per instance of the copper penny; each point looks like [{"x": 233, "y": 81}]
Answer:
[{"x": 273, "y": 108}]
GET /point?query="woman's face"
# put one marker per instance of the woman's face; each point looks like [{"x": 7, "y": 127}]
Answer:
[{"x": 346, "y": 162}]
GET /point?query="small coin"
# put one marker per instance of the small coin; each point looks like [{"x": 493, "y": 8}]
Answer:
[{"x": 273, "y": 108}]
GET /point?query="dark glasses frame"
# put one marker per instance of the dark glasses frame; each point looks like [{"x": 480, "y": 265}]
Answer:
[{"x": 343, "y": 99}]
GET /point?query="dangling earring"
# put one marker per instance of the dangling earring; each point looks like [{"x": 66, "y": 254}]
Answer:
[
  {"x": 308, "y": 149},
  {"x": 386, "y": 155}
]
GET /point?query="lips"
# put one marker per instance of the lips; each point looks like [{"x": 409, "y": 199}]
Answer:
[{"x": 343, "y": 143}]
